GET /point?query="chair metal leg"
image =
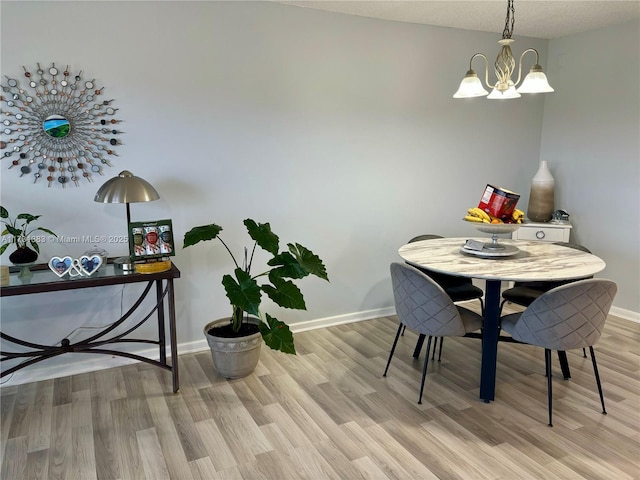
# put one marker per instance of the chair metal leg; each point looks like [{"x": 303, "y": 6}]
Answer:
[
  {"x": 500, "y": 310},
  {"x": 393, "y": 348},
  {"x": 547, "y": 364},
  {"x": 440, "y": 351},
  {"x": 435, "y": 344},
  {"x": 403, "y": 329},
  {"x": 595, "y": 371},
  {"x": 419, "y": 343},
  {"x": 564, "y": 364},
  {"x": 584, "y": 353},
  {"x": 424, "y": 369}
]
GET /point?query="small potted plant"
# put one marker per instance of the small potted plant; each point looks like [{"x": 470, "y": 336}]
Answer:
[
  {"x": 235, "y": 342},
  {"x": 18, "y": 231}
]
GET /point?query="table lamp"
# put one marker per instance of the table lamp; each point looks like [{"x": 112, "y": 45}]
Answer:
[{"x": 126, "y": 188}]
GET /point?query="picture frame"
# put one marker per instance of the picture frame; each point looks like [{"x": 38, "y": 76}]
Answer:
[{"x": 151, "y": 241}]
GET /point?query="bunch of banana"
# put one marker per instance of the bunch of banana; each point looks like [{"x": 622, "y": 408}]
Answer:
[
  {"x": 476, "y": 214},
  {"x": 517, "y": 216}
]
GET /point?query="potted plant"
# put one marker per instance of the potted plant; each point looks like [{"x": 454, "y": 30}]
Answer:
[
  {"x": 233, "y": 339},
  {"x": 18, "y": 231}
]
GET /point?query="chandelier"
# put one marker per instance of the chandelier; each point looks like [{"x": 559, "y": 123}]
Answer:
[{"x": 504, "y": 66}]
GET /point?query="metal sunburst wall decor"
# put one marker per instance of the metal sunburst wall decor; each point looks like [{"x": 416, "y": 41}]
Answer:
[{"x": 56, "y": 129}]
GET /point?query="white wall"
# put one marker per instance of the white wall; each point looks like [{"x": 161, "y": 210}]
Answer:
[
  {"x": 340, "y": 131},
  {"x": 591, "y": 139}
]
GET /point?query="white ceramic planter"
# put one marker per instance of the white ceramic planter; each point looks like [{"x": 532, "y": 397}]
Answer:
[{"x": 234, "y": 357}]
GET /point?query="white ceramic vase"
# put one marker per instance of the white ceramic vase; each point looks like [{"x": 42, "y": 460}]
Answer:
[{"x": 541, "y": 196}]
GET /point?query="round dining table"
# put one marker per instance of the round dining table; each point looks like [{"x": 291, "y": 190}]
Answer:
[{"x": 533, "y": 261}]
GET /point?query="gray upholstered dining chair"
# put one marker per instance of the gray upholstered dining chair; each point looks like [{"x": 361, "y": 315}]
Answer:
[
  {"x": 423, "y": 306},
  {"x": 460, "y": 289},
  {"x": 567, "y": 317},
  {"x": 523, "y": 293}
]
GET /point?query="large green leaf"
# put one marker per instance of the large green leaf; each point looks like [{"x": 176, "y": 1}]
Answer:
[
  {"x": 285, "y": 293},
  {"x": 202, "y": 233},
  {"x": 4, "y": 247},
  {"x": 288, "y": 266},
  {"x": 34, "y": 245},
  {"x": 309, "y": 260},
  {"x": 46, "y": 230},
  {"x": 3, "y": 212},
  {"x": 16, "y": 232},
  {"x": 243, "y": 293},
  {"x": 264, "y": 237},
  {"x": 28, "y": 217},
  {"x": 276, "y": 335}
]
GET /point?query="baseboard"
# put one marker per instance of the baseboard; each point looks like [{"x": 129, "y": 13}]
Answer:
[
  {"x": 199, "y": 345},
  {"x": 342, "y": 319},
  {"x": 97, "y": 362},
  {"x": 91, "y": 363},
  {"x": 626, "y": 314}
]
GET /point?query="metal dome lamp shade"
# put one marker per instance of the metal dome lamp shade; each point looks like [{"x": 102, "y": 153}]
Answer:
[{"x": 126, "y": 188}]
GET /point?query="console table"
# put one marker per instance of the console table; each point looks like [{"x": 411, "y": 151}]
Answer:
[{"x": 44, "y": 280}]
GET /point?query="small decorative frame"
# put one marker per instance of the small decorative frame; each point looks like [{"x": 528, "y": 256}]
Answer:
[
  {"x": 85, "y": 266},
  {"x": 149, "y": 241},
  {"x": 52, "y": 129}
]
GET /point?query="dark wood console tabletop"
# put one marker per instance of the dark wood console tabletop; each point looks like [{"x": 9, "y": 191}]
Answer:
[{"x": 44, "y": 280}]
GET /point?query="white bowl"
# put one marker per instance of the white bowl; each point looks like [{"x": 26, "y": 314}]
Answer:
[{"x": 495, "y": 228}]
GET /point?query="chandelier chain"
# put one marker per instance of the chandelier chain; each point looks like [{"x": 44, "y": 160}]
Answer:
[{"x": 509, "y": 21}]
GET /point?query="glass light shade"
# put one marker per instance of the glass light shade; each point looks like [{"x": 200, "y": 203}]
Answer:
[
  {"x": 511, "y": 92},
  {"x": 470, "y": 86},
  {"x": 535, "y": 82}
]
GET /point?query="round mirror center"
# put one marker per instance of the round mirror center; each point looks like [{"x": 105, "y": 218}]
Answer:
[{"x": 56, "y": 126}]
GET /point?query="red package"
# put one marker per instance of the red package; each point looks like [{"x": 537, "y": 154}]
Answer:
[{"x": 498, "y": 202}]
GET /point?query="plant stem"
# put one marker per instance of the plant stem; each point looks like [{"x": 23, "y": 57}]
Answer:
[
  {"x": 232, "y": 257},
  {"x": 253, "y": 250},
  {"x": 237, "y": 318}
]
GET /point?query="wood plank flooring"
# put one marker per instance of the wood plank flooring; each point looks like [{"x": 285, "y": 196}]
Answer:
[{"x": 328, "y": 413}]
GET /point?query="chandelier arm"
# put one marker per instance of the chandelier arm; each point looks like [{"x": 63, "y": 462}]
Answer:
[
  {"x": 520, "y": 62},
  {"x": 486, "y": 68}
]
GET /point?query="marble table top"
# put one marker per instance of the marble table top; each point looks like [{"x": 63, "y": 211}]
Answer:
[{"x": 536, "y": 261}]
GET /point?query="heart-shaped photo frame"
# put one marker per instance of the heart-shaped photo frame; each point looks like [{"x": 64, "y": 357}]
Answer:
[
  {"x": 90, "y": 265},
  {"x": 60, "y": 266}
]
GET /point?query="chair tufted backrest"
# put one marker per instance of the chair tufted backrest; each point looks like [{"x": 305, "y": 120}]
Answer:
[
  {"x": 422, "y": 304},
  {"x": 446, "y": 281},
  {"x": 425, "y": 237},
  {"x": 567, "y": 317},
  {"x": 575, "y": 246}
]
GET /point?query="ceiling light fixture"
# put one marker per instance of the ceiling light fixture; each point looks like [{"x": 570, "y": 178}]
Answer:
[{"x": 505, "y": 64}]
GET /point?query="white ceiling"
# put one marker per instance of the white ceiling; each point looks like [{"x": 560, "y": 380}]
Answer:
[{"x": 533, "y": 18}]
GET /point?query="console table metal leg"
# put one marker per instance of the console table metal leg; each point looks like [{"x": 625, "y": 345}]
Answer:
[
  {"x": 161, "y": 332},
  {"x": 172, "y": 335}
]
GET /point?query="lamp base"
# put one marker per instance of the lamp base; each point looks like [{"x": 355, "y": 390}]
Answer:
[
  {"x": 153, "y": 267},
  {"x": 124, "y": 264}
]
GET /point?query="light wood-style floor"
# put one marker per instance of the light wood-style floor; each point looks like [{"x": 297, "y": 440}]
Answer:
[{"x": 329, "y": 413}]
